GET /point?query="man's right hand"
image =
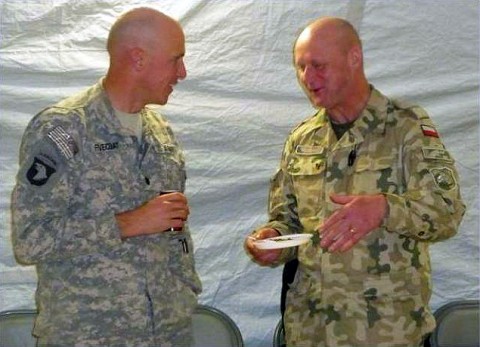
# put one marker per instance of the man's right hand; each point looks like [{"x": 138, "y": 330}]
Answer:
[
  {"x": 162, "y": 213},
  {"x": 262, "y": 256}
]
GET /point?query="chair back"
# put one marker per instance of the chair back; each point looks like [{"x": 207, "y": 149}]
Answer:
[
  {"x": 214, "y": 328},
  {"x": 279, "y": 335},
  {"x": 211, "y": 328},
  {"x": 16, "y": 328},
  {"x": 457, "y": 325}
]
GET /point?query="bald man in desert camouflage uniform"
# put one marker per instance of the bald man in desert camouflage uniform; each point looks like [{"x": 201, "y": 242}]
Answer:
[
  {"x": 112, "y": 270},
  {"x": 371, "y": 180}
]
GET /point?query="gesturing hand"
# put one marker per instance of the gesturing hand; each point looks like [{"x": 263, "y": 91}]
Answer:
[{"x": 357, "y": 216}]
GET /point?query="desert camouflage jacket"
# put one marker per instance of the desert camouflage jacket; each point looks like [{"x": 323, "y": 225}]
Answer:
[{"x": 396, "y": 151}]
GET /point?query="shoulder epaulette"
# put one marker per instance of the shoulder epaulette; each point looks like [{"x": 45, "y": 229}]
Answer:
[
  {"x": 302, "y": 123},
  {"x": 414, "y": 109}
]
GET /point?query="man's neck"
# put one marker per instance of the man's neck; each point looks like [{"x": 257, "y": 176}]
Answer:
[
  {"x": 121, "y": 99},
  {"x": 352, "y": 108}
]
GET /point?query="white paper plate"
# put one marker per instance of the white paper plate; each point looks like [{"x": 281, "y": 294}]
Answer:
[{"x": 283, "y": 241}]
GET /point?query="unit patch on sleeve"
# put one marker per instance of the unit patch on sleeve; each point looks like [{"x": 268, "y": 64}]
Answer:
[
  {"x": 444, "y": 178},
  {"x": 44, "y": 165},
  {"x": 436, "y": 153},
  {"x": 41, "y": 169}
]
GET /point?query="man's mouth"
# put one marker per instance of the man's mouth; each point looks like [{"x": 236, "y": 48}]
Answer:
[{"x": 317, "y": 90}]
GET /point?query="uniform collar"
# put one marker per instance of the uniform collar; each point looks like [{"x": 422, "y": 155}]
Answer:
[
  {"x": 372, "y": 120},
  {"x": 111, "y": 122},
  {"x": 373, "y": 117}
]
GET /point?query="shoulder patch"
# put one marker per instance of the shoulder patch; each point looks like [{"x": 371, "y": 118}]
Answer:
[
  {"x": 429, "y": 130},
  {"x": 436, "y": 153},
  {"x": 444, "y": 178},
  {"x": 63, "y": 141},
  {"x": 41, "y": 169}
]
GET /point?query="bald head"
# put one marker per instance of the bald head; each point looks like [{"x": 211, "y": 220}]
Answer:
[
  {"x": 146, "y": 50},
  {"x": 332, "y": 29},
  {"x": 329, "y": 62},
  {"x": 141, "y": 27}
]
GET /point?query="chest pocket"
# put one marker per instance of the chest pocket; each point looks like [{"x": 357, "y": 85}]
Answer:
[
  {"x": 164, "y": 165},
  {"x": 375, "y": 175},
  {"x": 307, "y": 173},
  {"x": 105, "y": 177}
]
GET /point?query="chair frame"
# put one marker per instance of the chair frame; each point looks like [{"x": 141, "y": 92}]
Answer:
[
  {"x": 444, "y": 310},
  {"x": 18, "y": 313},
  {"x": 279, "y": 334},
  {"x": 200, "y": 309},
  {"x": 216, "y": 313}
]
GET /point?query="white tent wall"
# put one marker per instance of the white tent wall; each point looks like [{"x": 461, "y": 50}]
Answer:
[{"x": 234, "y": 111}]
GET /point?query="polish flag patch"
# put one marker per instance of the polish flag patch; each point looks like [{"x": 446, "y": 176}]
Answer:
[{"x": 428, "y": 130}]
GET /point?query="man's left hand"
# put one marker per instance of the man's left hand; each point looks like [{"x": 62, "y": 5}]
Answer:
[{"x": 357, "y": 216}]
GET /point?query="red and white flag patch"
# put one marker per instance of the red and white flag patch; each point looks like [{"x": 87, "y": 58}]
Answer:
[{"x": 428, "y": 130}]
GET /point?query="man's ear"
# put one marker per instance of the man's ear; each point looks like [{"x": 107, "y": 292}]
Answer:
[
  {"x": 355, "y": 57},
  {"x": 137, "y": 58}
]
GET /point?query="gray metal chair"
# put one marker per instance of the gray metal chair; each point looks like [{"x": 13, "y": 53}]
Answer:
[
  {"x": 457, "y": 325},
  {"x": 16, "y": 328},
  {"x": 214, "y": 328},
  {"x": 211, "y": 328}
]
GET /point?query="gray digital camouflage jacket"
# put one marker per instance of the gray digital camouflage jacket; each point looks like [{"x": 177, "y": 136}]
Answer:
[
  {"x": 77, "y": 170},
  {"x": 377, "y": 293}
]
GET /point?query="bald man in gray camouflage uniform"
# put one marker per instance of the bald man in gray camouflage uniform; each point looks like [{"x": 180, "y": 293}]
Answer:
[
  {"x": 370, "y": 178},
  {"x": 114, "y": 257}
]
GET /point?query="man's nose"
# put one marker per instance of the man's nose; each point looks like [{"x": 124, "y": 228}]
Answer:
[
  {"x": 309, "y": 75},
  {"x": 181, "y": 71}
]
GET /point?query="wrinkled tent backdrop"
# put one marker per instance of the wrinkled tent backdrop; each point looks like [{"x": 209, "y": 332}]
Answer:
[{"x": 233, "y": 112}]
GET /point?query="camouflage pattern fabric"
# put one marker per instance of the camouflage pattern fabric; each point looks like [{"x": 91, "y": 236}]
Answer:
[
  {"x": 78, "y": 168},
  {"x": 377, "y": 293}
]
